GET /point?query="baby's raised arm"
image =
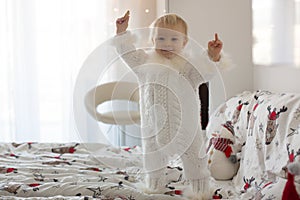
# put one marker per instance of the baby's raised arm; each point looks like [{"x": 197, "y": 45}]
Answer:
[
  {"x": 214, "y": 48},
  {"x": 122, "y": 23},
  {"x": 124, "y": 43}
]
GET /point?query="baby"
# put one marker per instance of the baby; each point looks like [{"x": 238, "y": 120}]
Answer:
[{"x": 169, "y": 101}]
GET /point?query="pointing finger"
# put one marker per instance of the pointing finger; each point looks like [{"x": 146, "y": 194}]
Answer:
[
  {"x": 127, "y": 13},
  {"x": 124, "y": 18},
  {"x": 216, "y": 37}
]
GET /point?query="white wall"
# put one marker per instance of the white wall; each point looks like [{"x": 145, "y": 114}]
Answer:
[
  {"x": 277, "y": 78},
  {"x": 231, "y": 19}
]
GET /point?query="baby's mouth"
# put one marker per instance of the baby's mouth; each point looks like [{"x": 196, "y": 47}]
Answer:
[{"x": 166, "y": 51}]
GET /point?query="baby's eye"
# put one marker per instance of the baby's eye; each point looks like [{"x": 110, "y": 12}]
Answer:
[
  {"x": 174, "y": 39},
  {"x": 160, "y": 38}
]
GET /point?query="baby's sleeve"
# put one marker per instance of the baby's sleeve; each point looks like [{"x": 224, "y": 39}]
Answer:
[
  {"x": 225, "y": 62},
  {"x": 200, "y": 68},
  {"x": 124, "y": 44}
]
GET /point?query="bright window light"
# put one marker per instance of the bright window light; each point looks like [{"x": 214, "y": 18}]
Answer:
[{"x": 276, "y": 32}]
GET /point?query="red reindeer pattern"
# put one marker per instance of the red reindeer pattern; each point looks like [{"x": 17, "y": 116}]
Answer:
[
  {"x": 248, "y": 183},
  {"x": 272, "y": 123},
  {"x": 237, "y": 111},
  {"x": 63, "y": 150},
  {"x": 251, "y": 117},
  {"x": 291, "y": 153},
  {"x": 217, "y": 194}
]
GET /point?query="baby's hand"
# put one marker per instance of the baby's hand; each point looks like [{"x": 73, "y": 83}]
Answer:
[
  {"x": 214, "y": 48},
  {"x": 122, "y": 23}
]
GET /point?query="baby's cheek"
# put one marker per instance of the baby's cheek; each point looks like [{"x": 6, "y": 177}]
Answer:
[{"x": 158, "y": 44}]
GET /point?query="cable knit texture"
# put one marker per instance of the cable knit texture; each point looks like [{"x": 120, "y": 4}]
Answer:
[{"x": 170, "y": 107}]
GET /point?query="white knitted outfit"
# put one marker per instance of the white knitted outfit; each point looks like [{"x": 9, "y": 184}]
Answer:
[{"x": 170, "y": 113}]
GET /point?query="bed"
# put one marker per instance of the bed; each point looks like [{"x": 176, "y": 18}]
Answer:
[
  {"x": 100, "y": 171},
  {"x": 74, "y": 171},
  {"x": 79, "y": 171}
]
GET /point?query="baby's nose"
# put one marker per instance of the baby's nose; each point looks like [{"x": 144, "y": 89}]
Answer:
[{"x": 168, "y": 47}]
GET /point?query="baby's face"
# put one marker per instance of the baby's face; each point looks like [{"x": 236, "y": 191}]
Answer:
[{"x": 169, "y": 40}]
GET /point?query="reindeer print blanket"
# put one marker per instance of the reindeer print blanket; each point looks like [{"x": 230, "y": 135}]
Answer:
[
  {"x": 80, "y": 171},
  {"x": 267, "y": 127},
  {"x": 75, "y": 171}
]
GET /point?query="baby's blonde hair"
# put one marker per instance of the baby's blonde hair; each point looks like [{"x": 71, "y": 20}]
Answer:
[{"x": 170, "y": 19}]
